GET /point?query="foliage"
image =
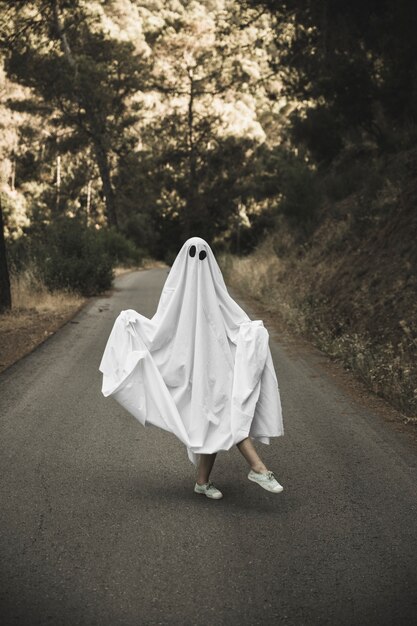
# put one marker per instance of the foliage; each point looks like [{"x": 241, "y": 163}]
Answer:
[
  {"x": 351, "y": 65},
  {"x": 122, "y": 251},
  {"x": 196, "y": 156},
  {"x": 149, "y": 118},
  {"x": 301, "y": 193},
  {"x": 320, "y": 132},
  {"x": 69, "y": 255},
  {"x": 169, "y": 119},
  {"x": 84, "y": 77},
  {"x": 74, "y": 257}
]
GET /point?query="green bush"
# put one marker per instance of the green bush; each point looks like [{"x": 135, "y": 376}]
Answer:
[
  {"x": 301, "y": 195},
  {"x": 72, "y": 256},
  {"x": 121, "y": 250},
  {"x": 319, "y": 131},
  {"x": 67, "y": 254}
]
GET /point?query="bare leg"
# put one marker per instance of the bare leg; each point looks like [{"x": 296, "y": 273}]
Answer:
[
  {"x": 204, "y": 468},
  {"x": 247, "y": 448}
]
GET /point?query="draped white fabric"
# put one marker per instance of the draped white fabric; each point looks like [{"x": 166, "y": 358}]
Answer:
[{"x": 199, "y": 368}]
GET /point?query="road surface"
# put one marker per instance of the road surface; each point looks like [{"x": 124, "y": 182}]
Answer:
[{"x": 100, "y": 525}]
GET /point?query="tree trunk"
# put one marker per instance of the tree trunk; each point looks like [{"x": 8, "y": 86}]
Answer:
[
  {"x": 13, "y": 173},
  {"x": 5, "y": 293},
  {"x": 101, "y": 154},
  {"x": 109, "y": 197},
  {"x": 88, "y": 207},
  {"x": 58, "y": 184},
  {"x": 191, "y": 199}
]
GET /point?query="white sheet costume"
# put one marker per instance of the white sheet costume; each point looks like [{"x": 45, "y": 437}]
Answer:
[{"x": 199, "y": 368}]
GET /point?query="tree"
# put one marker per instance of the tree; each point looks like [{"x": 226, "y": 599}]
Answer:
[
  {"x": 167, "y": 102},
  {"x": 209, "y": 84},
  {"x": 352, "y": 65},
  {"x": 5, "y": 293},
  {"x": 61, "y": 50}
]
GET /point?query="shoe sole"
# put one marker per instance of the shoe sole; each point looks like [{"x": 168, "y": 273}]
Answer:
[
  {"x": 209, "y": 497},
  {"x": 266, "y": 488},
  {"x": 201, "y": 493}
]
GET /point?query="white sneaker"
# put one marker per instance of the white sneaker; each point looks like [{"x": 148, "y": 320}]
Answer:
[
  {"x": 266, "y": 480},
  {"x": 209, "y": 490}
]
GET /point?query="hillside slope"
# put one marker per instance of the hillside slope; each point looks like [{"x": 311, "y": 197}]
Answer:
[{"x": 352, "y": 287}]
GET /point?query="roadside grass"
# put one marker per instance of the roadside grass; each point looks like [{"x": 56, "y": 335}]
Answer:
[
  {"x": 30, "y": 293},
  {"x": 37, "y": 313},
  {"x": 147, "y": 263},
  {"x": 387, "y": 363}
]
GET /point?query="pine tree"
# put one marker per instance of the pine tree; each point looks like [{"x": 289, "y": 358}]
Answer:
[{"x": 62, "y": 51}]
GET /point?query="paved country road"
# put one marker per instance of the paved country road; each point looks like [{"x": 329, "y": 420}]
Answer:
[{"x": 100, "y": 525}]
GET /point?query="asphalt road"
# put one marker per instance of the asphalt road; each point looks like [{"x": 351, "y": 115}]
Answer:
[{"x": 100, "y": 525}]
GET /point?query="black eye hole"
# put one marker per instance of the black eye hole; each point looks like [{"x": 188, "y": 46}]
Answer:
[
  {"x": 202, "y": 255},
  {"x": 193, "y": 250}
]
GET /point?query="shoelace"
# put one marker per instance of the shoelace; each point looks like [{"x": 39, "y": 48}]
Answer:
[{"x": 271, "y": 475}]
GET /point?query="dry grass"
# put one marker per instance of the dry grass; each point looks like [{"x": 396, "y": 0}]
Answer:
[
  {"x": 262, "y": 276},
  {"x": 256, "y": 275},
  {"x": 28, "y": 292},
  {"x": 146, "y": 264},
  {"x": 290, "y": 287},
  {"x": 36, "y": 314}
]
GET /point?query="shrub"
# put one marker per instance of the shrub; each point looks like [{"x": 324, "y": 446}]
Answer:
[
  {"x": 319, "y": 131},
  {"x": 301, "y": 195},
  {"x": 72, "y": 256},
  {"x": 66, "y": 254},
  {"x": 120, "y": 249}
]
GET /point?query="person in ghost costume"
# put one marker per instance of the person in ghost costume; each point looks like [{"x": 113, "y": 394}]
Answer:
[{"x": 199, "y": 368}]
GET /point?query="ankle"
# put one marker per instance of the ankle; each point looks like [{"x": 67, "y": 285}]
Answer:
[
  {"x": 259, "y": 468},
  {"x": 201, "y": 482}
]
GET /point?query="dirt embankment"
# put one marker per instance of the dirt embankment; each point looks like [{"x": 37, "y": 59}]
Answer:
[
  {"x": 24, "y": 329},
  {"x": 352, "y": 288},
  {"x": 38, "y": 313}
]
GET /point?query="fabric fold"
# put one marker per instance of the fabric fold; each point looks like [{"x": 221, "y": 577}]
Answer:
[{"x": 199, "y": 368}]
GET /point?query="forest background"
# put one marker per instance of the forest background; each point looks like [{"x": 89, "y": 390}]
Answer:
[{"x": 284, "y": 133}]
